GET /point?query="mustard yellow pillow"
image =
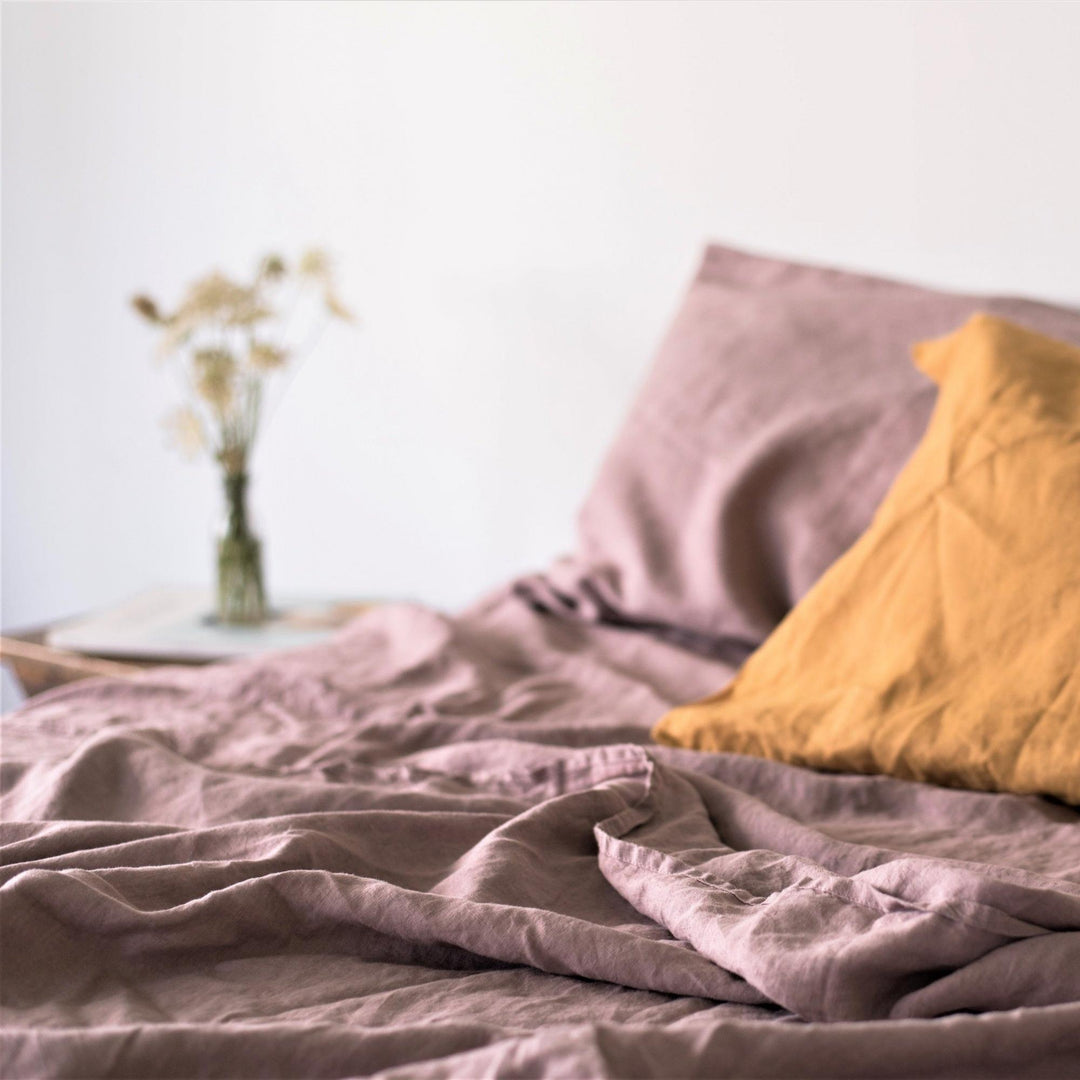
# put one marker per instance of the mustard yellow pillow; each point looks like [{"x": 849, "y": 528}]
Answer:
[{"x": 945, "y": 644}]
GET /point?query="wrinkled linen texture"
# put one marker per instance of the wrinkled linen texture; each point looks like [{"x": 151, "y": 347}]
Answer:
[
  {"x": 443, "y": 847},
  {"x": 945, "y": 644}
]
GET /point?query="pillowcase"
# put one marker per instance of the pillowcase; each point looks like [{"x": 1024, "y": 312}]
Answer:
[
  {"x": 779, "y": 409},
  {"x": 945, "y": 645}
]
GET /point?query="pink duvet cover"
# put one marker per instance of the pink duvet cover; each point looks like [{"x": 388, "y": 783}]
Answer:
[{"x": 444, "y": 848}]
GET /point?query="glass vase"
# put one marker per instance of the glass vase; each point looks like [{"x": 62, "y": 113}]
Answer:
[{"x": 241, "y": 597}]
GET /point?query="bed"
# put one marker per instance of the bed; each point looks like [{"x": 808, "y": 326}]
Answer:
[{"x": 448, "y": 846}]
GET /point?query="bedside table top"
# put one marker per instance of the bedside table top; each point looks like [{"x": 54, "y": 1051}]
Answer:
[
  {"x": 179, "y": 625},
  {"x": 161, "y": 626}
]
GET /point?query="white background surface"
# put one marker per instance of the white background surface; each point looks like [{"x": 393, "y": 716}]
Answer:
[{"x": 517, "y": 194}]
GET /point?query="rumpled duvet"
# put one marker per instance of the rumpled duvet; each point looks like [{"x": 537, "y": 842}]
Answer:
[{"x": 444, "y": 847}]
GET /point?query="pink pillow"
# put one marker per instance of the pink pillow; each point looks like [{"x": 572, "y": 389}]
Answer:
[{"x": 781, "y": 406}]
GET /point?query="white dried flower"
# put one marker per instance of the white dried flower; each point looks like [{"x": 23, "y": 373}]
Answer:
[
  {"x": 217, "y": 299},
  {"x": 215, "y": 371},
  {"x": 266, "y": 358},
  {"x": 213, "y": 295},
  {"x": 185, "y": 431},
  {"x": 314, "y": 263},
  {"x": 174, "y": 336},
  {"x": 248, "y": 314},
  {"x": 335, "y": 307}
]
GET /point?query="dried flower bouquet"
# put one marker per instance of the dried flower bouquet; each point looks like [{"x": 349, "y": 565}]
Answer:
[{"x": 227, "y": 339}]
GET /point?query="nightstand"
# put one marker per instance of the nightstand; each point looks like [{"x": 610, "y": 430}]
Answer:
[
  {"x": 161, "y": 626},
  {"x": 39, "y": 667}
]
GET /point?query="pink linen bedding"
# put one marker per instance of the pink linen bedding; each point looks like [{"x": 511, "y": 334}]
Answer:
[{"x": 443, "y": 847}]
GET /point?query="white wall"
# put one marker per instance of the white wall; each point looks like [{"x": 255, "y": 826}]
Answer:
[{"x": 517, "y": 193}]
